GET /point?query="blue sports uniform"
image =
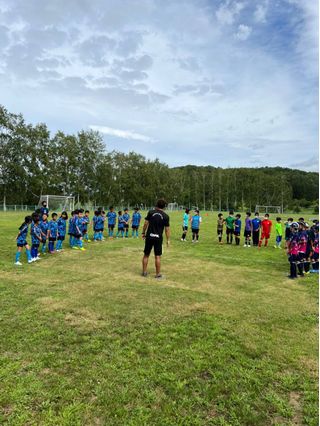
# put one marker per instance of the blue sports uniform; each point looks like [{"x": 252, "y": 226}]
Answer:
[
  {"x": 35, "y": 239},
  {"x": 53, "y": 228},
  {"x": 120, "y": 226},
  {"x": 237, "y": 227},
  {"x": 256, "y": 224},
  {"x": 136, "y": 219},
  {"x": 22, "y": 242},
  {"x": 44, "y": 210},
  {"x": 85, "y": 224},
  {"x": 126, "y": 218},
  {"x": 98, "y": 226},
  {"x": 62, "y": 230},
  {"x": 44, "y": 226},
  {"x": 112, "y": 218},
  {"x": 195, "y": 222}
]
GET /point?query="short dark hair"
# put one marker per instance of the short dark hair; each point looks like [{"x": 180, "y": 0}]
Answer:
[
  {"x": 231, "y": 212},
  {"x": 267, "y": 214},
  {"x": 65, "y": 214},
  {"x": 81, "y": 210},
  {"x": 290, "y": 219},
  {"x": 248, "y": 213},
  {"x": 110, "y": 208},
  {"x": 119, "y": 212},
  {"x": 256, "y": 213},
  {"x": 43, "y": 202},
  {"x": 87, "y": 211},
  {"x": 35, "y": 217},
  {"x": 187, "y": 211},
  {"x": 161, "y": 203},
  {"x": 301, "y": 219},
  {"x": 54, "y": 215},
  {"x": 220, "y": 214},
  {"x": 239, "y": 215},
  {"x": 278, "y": 218}
]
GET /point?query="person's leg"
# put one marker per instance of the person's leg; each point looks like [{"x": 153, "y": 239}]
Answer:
[
  {"x": 145, "y": 261},
  {"x": 228, "y": 233},
  {"x": 266, "y": 240},
  {"x": 18, "y": 254},
  {"x": 293, "y": 267},
  {"x": 231, "y": 236},
  {"x": 157, "y": 261},
  {"x": 300, "y": 263},
  {"x": 44, "y": 246},
  {"x": 183, "y": 236},
  {"x": 249, "y": 240},
  {"x": 198, "y": 235},
  {"x": 36, "y": 251},
  {"x": 28, "y": 253}
]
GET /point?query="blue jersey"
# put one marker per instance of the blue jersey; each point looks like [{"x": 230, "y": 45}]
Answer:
[
  {"x": 185, "y": 219},
  {"x": 62, "y": 227},
  {"x": 112, "y": 217},
  {"x": 237, "y": 225},
  {"x": 256, "y": 223},
  {"x": 71, "y": 227},
  {"x": 44, "y": 226},
  {"x": 136, "y": 218},
  {"x": 23, "y": 232},
  {"x": 85, "y": 223},
  {"x": 195, "y": 222},
  {"x": 120, "y": 222},
  {"x": 126, "y": 217},
  {"x": 44, "y": 210},
  {"x": 77, "y": 225},
  {"x": 53, "y": 228},
  {"x": 35, "y": 233},
  {"x": 99, "y": 223}
]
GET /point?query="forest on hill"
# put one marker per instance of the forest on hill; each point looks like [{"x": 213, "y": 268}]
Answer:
[{"x": 34, "y": 162}]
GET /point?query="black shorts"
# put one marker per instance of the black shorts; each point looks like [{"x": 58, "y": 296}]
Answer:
[
  {"x": 247, "y": 234},
  {"x": 237, "y": 233},
  {"x": 36, "y": 245},
  {"x": 77, "y": 236},
  {"x": 156, "y": 244},
  {"x": 126, "y": 226},
  {"x": 184, "y": 228},
  {"x": 195, "y": 231},
  {"x": 109, "y": 227},
  {"x": 52, "y": 239},
  {"x": 61, "y": 238},
  {"x": 135, "y": 226},
  {"x": 229, "y": 231},
  {"x": 219, "y": 232},
  {"x": 120, "y": 229},
  {"x": 25, "y": 243}
]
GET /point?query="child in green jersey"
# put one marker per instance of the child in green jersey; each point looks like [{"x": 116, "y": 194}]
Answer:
[
  {"x": 278, "y": 233},
  {"x": 230, "y": 227}
]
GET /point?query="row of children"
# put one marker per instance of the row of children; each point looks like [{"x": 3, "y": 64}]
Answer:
[{"x": 52, "y": 233}]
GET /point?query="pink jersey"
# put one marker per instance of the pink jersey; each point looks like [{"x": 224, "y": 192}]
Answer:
[
  {"x": 316, "y": 244},
  {"x": 294, "y": 245},
  {"x": 303, "y": 241}
]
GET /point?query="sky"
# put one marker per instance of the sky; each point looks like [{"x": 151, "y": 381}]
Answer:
[{"x": 223, "y": 83}]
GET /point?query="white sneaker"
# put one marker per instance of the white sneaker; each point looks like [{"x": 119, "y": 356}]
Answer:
[
  {"x": 18, "y": 263},
  {"x": 182, "y": 239},
  {"x": 245, "y": 245},
  {"x": 34, "y": 259},
  {"x": 196, "y": 241},
  {"x": 193, "y": 241},
  {"x": 30, "y": 261}
]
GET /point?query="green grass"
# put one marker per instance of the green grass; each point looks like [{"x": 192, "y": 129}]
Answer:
[{"x": 225, "y": 339}]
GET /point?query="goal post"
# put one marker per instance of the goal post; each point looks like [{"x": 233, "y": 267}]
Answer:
[
  {"x": 269, "y": 209},
  {"x": 57, "y": 202}
]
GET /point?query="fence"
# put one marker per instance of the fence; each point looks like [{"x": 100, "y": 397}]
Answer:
[{"x": 17, "y": 207}]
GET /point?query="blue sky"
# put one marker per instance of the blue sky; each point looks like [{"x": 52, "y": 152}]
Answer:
[{"x": 225, "y": 83}]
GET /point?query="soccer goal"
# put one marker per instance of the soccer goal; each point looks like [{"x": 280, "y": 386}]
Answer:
[
  {"x": 268, "y": 209},
  {"x": 173, "y": 206},
  {"x": 58, "y": 202}
]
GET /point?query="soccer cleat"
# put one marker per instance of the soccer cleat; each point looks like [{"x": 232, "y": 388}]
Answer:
[
  {"x": 144, "y": 274},
  {"x": 30, "y": 261},
  {"x": 245, "y": 245},
  {"x": 182, "y": 239},
  {"x": 18, "y": 263},
  {"x": 88, "y": 241},
  {"x": 159, "y": 277},
  {"x": 75, "y": 248},
  {"x": 82, "y": 249}
]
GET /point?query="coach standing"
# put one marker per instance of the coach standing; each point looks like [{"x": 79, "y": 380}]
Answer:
[{"x": 155, "y": 222}]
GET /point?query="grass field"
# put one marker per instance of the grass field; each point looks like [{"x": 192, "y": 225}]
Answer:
[{"x": 224, "y": 339}]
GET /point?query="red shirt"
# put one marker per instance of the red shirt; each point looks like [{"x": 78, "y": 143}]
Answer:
[{"x": 266, "y": 226}]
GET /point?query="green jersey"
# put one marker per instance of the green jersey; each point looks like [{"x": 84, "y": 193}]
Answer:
[
  {"x": 230, "y": 222},
  {"x": 279, "y": 229}
]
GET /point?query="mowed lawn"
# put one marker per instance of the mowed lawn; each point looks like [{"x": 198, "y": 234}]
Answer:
[{"x": 224, "y": 339}]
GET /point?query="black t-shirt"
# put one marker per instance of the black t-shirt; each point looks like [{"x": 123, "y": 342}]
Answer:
[{"x": 158, "y": 220}]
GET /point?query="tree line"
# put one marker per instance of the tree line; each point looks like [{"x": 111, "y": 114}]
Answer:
[{"x": 34, "y": 162}]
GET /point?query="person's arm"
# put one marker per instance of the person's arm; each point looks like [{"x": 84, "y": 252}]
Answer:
[
  {"x": 167, "y": 231},
  {"x": 144, "y": 229}
]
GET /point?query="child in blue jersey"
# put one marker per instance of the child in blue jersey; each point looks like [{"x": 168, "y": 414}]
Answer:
[
  {"x": 78, "y": 232},
  {"x": 44, "y": 209},
  {"x": 35, "y": 237},
  {"x": 22, "y": 241},
  {"x": 98, "y": 225},
  {"x": 71, "y": 229},
  {"x": 112, "y": 217},
  {"x": 136, "y": 219},
  {"x": 86, "y": 223},
  {"x": 126, "y": 218},
  {"x": 44, "y": 225},
  {"x": 256, "y": 225},
  {"x": 237, "y": 229},
  {"x": 195, "y": 226},
  {"x": 185, "y": 224},
  {"x": 62, "y": 230},
  {"x": 121, "y": 223},
  {"x": 94, "y": 225},
  {"x": 52, "y": 232}
]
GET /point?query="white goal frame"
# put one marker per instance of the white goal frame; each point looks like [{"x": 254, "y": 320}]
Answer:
[
  {"x": 269, "y": 209},
  {"x": 64, "y": 202}
]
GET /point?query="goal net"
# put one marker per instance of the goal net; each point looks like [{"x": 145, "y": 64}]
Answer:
[
  {"x": 268, "y": 209},
  {"x": 58, "y": 202},
  {"x": 173, "y": 206}
]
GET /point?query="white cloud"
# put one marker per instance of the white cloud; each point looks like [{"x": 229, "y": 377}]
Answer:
[
  {"x": 124, "y": 134},
  {"x": 261, "y": 12},
  {"x": 243, "y": 32},
  {"x": 227, "y": 12}
]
